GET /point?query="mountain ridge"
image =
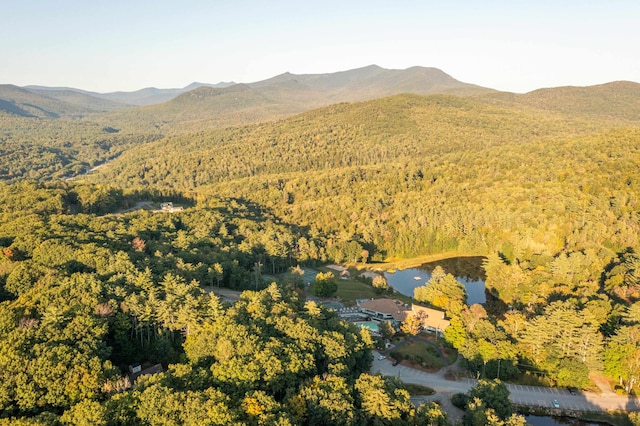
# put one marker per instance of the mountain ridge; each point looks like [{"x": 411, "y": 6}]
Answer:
[
  {"x": 287, "y": 94},
  {"x": 619, "y": 100}
]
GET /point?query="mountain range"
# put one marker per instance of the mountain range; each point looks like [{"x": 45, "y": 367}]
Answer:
[
  {"x": 282, "y": 95},
  {"x": 51, "y": 133}
]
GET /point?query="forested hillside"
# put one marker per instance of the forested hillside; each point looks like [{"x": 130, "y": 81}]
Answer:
[
  {"x": 53, "y": 133},
  {"x": 409, "y": 175},
  {"x": 86, "y": 295},
  {"x": 45, "y": 149},
  {"x": 37, "y": 103},
  {"x": 91, "y": 280}
]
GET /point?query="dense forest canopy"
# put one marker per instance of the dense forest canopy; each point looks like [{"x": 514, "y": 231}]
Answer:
[{"x": 91, "y": 281}]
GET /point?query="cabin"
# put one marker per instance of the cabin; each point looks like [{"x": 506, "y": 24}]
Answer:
[{"x": 136, "y": 370}]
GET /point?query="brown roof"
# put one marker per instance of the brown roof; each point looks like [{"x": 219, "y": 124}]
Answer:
[
  {"x": 392, "y": 307},
  {"x": 431, "y": 317}
]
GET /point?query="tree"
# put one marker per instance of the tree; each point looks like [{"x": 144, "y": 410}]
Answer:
[
  {"x": 86, "y": 413},
  {"x": 491, "y": 394},
  {"x": 411, "y": 325},
  {"x": 138, "y": 244},
  {"x": 216, "y": 273},
  {"x": 622, "y": 357},
  {"x": 297, "y": 277},
  {"x": 380, "y": 284},
  {"x": 431, "y": 414},
  {"x": 442, "y": 290},
  {"x": 386, "y": 330},
  {"x": 327, "y": 401},
  {"x": 382, "y": 400},
  {"x": 325, "y": 284}
]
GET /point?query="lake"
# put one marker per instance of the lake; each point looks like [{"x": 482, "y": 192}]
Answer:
[{"x": 467, "y": 270}]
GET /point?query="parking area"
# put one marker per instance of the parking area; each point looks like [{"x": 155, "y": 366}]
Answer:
[{"x": 550, "y": 398}]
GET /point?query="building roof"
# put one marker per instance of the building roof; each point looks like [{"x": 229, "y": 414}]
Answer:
[
  {"x": 337, "y": 268},
  {"x": 370, "y": 274},
  {"x": 149, "y": 371},
  {"x": 396, "y": 308},
  {"x": 431, "y": 317}
]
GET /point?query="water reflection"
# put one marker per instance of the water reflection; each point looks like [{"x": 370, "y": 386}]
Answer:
[{"x": 467, "y": 270}]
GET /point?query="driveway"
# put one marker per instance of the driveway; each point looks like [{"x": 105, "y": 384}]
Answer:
[{"x": 533, "y": 396}]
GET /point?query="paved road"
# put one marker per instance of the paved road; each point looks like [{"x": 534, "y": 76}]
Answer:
[{"x": 520, "y": 395}]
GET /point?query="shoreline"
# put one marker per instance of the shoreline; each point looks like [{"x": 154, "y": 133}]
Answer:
[{"x": 394, "y": 264}]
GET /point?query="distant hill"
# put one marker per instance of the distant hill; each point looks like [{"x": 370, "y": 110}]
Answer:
[
  {"x": 394, "y": 129},
  {"x": 26, "y": 103},
  {"x": 374, "y": 82},
  {"x": 288, "y": 94},
  {"x": 80, "y": 98},
  {"x": 619, "y": 100},
  {"x": 120, "y": 99},
  {"x": 152, "y": 95}
]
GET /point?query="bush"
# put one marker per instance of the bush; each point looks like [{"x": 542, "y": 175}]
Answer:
[{"x": 460, "y": 400}]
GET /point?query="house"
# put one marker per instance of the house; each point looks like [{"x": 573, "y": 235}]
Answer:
[
  {"x": 432, "y": 319},
  {"x": 168, "y": 207},
  {"x": 384, "y": 309},
  {"x": 136, "y": 370}
]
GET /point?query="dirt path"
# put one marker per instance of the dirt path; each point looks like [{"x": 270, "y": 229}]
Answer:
[{"x": 603, "y": 383}]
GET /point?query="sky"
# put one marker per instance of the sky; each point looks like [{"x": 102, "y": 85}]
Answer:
[{"x": 514, "y": 45}]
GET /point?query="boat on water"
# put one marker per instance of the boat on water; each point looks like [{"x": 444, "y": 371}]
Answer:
[{"x": 417, "y": 278}]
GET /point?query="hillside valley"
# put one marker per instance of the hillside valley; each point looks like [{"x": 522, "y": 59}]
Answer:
[{"x": 356, "y": 168}]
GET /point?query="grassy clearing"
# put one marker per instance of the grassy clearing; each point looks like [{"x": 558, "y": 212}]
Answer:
[
  {"x": 415, "y": 390},
  {"x": 419, "y": 353},
  {"x": 399, "y": 264},
  {"x": 350, "y": 290},
  {"x": 447, "y": 350}
]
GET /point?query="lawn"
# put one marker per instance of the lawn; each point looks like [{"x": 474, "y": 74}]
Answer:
[
  {"x": 419, "y": 353},
  {"x": 350, "y": 290},
  {"x": 415, "y": 390},
  {"x": 395, "y": 264},
  {"x": 447, "y": 350}
]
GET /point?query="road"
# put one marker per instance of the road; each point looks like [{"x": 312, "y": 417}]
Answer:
[{"x": 534, "y": 396}]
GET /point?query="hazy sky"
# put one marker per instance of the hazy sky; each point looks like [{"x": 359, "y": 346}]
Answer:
[{"x": 127, "y": 45}]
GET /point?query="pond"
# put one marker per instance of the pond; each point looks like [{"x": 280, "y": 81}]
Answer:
[{"x": 467, "y": 270}]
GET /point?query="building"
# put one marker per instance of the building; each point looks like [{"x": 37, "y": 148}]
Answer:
[
  {"x": 136, "y": 370},
  {"x": 168, "y": 207},
  {"x": 384, "y": 309},
  {"x": 432, "y": 319}
]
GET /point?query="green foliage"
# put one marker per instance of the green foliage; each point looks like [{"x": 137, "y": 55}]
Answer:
[
  {"x": 460, "y": 400},
  {"x": 488, "y": 395},
  {"x": 430, "y": 413},
  {"x": 327, "y": 401},
  {"x": 383, "y": 400},
  {"x": 380, "y": 284},
  {"x": 442, "y": 291},
  {"x": 420, "y": 353},
  {"x": 548, "y": 191},
  {"x": 86, "y": 413},
  {"x": 325, "y": 284}
]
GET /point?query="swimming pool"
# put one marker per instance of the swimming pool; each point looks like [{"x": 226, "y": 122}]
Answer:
[{"x": 373, "y": 326}]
